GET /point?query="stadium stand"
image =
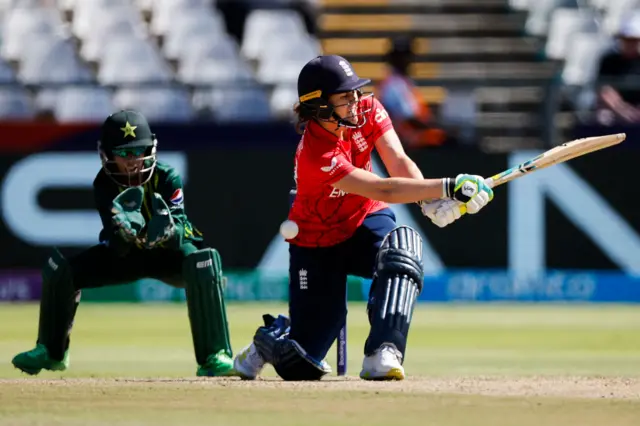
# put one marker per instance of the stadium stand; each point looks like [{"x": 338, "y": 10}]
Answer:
[
  {"x": 175, "y": 60},
  {"x": 75, "y": 59},
  {"x": 522, "y": 63}
]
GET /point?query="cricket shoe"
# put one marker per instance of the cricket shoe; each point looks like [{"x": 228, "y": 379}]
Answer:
[
  {"x": 248, "y": 363},
  {"x": 37, "y": 359},
  {"x": 384, "y": 364},
  {"x": 217, "y": 365}
]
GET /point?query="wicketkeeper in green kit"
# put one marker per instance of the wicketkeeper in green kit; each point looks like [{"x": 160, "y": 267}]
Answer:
[{"x": 146, "y": 234}]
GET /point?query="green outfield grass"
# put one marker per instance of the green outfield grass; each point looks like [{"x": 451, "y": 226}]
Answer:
[{"x": 468, "y": 365}]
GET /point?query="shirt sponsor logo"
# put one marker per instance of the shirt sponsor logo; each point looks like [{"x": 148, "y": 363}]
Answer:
[
  {"x": 177, "y": 198},
  {"x": 331, "y": 169},
  {"x": 337, "y": 193}
]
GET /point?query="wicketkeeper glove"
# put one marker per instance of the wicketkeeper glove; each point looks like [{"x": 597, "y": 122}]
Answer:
[
  {"x": 471, "y": 190},
  {"x": 161, "y": 227},
  {"x": 127, "y": 216}
]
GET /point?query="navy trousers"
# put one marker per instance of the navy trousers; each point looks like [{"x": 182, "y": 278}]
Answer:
[{"x": 318, "y": 282}]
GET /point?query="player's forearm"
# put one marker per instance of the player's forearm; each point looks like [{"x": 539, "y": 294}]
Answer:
[
  {"x": 406, "y": 168},
  {"x": 118, "y": 244},
  {"x": 406, "y": 190}
]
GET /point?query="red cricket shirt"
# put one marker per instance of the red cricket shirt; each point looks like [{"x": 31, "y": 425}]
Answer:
[{"x": 325, "y": 215}]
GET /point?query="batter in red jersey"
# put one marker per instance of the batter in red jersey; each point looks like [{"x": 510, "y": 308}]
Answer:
[
  {"x": 347, "y": 228},
  {"x": 325, "y": 214}
]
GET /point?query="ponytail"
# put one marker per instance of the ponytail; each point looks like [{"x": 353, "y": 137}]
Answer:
[{"x": 301, "y": 118}]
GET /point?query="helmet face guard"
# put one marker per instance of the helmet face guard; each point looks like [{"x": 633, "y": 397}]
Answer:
[
  {"x": 316, "y": 106},
  {"x": 139, "y": 163}
]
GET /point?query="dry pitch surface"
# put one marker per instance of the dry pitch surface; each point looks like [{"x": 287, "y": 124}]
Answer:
[{"x": 491, "y": 365}]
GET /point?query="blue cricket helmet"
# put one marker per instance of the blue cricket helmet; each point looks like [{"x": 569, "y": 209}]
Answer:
[{"x": 322, "y": 77}]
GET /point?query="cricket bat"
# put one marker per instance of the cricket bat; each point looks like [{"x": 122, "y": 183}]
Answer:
[{"x": 556, "y": 155}]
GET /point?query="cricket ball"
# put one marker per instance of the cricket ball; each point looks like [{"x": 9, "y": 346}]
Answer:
[{"x": 289, "y": 229}]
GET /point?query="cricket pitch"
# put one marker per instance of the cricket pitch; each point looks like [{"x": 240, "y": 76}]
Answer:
[{"x": 467, "y": 365}]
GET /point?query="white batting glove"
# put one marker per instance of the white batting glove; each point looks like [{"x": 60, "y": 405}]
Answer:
[
  {"x": 478, "y": 202},
  {"x": 442, "y": 212}
]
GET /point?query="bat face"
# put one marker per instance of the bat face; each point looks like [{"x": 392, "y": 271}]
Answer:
[{"x": 558, "y": 154}]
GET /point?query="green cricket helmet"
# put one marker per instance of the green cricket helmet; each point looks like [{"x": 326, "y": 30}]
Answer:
[{"x": 128, "y": 148}]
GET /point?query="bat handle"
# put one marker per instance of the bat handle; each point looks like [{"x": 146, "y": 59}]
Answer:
[{"x": 489, "y": 182}]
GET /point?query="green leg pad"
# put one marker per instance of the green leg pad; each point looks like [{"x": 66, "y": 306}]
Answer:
[
  {"x": 58, "y": 306},
  {"x": 202, "y": 272}
]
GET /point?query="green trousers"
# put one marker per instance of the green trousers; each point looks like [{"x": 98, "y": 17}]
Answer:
[
  {"x": 197, "y": 270},
  {"x": 99, "y": 266}
]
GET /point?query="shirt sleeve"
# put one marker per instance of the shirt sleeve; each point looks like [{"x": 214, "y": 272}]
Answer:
[
  {"x": 379, "y": 119},
  {"x": 326, "y": 166},
  {"x": 172, "y": 192}
]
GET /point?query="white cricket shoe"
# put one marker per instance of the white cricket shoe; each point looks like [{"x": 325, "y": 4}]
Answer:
[
  {"x": 383, "y": 364},
  {"x": 248, "y": 362}
]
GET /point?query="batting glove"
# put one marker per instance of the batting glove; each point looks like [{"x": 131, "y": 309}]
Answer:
[
  {"x": 441, "y": 212},
  {"x": 471, "y": 190}
]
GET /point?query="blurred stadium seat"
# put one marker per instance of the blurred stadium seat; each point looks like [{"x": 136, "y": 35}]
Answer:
[
  {"x": 51, "y": 60},
  {"x": 283, "y": 99},
  {"x": 520, "y": 4},
  {"x": 75, "y": 104},
  {"x": 564, "y": 23},
  {"x": 282, "y": 57},
  {"x": 21, "y": 23},
  {"x": 616, "y": 11},
  {"x": 277, "y": 47},
  {"x": 92, "y": 48},
  {"x": 165, "y": 12},
  {"x": 7, "y": 75},
  {"x": 132, "y": 61},
  {"x": 190, "y": 28},
  {"x": 98, "y": 13},
  {"x": 211, "y": 71},
  {"x": 540, "y": 12},
  {"x": 15, "y": 104},
  {"x": 45, "y": 100},
  {"x": 276, "y": 72},
  {"x": 235, "y": 104},
  {"x": 168, "y": 104},
  {"x": 261, "y": 23},
  {"x": 584, "y": 51},
  {"x": 222, "y": 48},
  {"x": 73, "y": 54}
]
